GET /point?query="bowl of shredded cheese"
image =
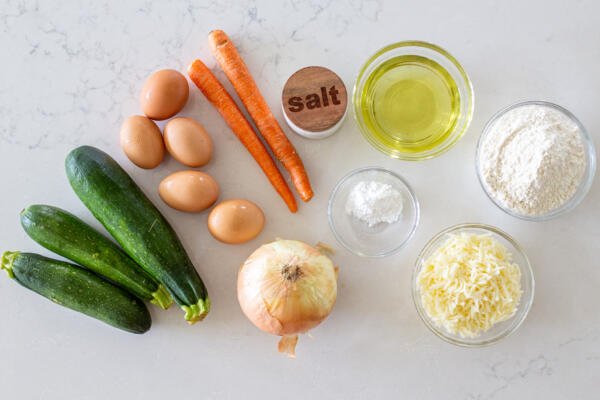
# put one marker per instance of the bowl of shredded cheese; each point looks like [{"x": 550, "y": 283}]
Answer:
[{"x": 472, "y": 285}]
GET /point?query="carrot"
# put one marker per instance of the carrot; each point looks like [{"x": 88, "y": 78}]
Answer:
[
  {"x": 222, "y": 101},
  {"x": 234, "y": 67}
]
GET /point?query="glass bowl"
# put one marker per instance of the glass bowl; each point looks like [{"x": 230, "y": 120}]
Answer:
[
  {"x": 499, "y": 330},
  {"x": 586, "y": 181},
  {"x": 446, "y": 61},
  {"x": 380, "y": 240}
]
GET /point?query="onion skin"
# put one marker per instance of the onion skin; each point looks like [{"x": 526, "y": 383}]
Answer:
[{"x": 287, "y": 287}]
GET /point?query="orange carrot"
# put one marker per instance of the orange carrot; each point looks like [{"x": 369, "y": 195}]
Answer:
[
  {"x": 222, "y": 101},
  {"x": 234, "y": 67}
]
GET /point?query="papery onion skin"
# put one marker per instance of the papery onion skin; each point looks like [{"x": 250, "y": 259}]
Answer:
[{"x": 287, "y": 287}]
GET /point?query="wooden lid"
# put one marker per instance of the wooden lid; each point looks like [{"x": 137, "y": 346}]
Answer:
[{"x": 314, "y": 99}]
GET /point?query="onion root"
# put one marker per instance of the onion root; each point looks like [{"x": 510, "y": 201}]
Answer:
[{"x": 287, "y": 345}]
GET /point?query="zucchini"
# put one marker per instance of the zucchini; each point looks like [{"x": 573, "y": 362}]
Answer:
[
  {"x": 68, "y": 236},
  {"x": 80, "y": 290},
  {"x": 137, "y": 225}
]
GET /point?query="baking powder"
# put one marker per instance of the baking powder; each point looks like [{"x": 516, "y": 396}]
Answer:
[{"x": 374, "y": 202}]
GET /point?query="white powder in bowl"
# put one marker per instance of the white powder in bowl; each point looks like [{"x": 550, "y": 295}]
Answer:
[
  {"x": 374, "y": 202},
  {"x": 532, "y": 159}
]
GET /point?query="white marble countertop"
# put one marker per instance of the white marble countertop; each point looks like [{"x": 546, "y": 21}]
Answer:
[{"x": 71, "y": 72}]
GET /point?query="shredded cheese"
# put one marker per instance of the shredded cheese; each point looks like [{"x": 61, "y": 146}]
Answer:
[{"x": 469, "y": 284}]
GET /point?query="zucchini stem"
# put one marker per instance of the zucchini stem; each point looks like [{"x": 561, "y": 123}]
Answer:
[
  {"x": 8, "y": 258},
  {"x": 196, "y": 312},
  {"x": 162, "y": 298}
]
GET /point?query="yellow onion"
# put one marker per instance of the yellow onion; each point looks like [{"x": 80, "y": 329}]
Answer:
[{"x": 287, "y": 287}]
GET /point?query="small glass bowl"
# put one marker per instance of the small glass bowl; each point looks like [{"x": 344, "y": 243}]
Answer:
[
  {"x": 499, "y": 330},
  {"x": 380, "y": 240},
  {"x": 443, "y": 58},
  {"x": 586, "y": 181}
]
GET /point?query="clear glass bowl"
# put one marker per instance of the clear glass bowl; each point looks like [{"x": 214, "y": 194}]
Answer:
[
  {"x": 586, "y": 181},
  {"x": 380, "y": 240},
  {"x": 443, "y": 58},
  {"x": 499, "y": 330}
]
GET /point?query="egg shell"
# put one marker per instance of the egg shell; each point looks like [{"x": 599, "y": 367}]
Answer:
[
  {"x": 164, "y": 94},
  {"x": 236, "y": 221},
  {"x": 142, "y": 142},
  {"x": 189, "y": 191},
  {"x": 187, "y": 141}
]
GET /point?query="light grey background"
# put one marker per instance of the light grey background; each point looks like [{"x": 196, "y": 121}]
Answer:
[{"x": 72, "y": 71}]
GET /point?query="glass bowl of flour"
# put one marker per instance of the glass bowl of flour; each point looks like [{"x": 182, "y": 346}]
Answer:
[
  {"x": 373, "y": 212},
  {"x": 535, "y": 160}
]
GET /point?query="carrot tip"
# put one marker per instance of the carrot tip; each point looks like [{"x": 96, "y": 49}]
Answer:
[
  {"x": 218, "y": 37},
  {"x": 191, "y": 66}
]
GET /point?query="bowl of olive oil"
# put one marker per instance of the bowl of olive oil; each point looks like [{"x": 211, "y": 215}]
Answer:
[{"x": 412, "y": 100}]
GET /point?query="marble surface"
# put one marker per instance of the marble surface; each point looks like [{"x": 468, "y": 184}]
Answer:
[{"x": 71, "y": 72}]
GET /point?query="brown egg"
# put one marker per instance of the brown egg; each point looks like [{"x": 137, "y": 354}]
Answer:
[
  {"x": 236, "y": 221},
  {"x": 164, "y": 94},
  {"x": 187, "y": 141},
  {"x": 189, "y": 191},
  {"x": 142, "y": 142}
]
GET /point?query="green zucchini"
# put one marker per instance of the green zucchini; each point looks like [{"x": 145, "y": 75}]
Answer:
[
  {"x": 78, "y": 289},
  {"x": 68, "y": 236},
  {"x": 137, "y": 225}
]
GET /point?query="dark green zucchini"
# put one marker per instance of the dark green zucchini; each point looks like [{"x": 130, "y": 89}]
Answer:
[
  {"x": 66, "y": 235},
  {"x": 137, "y": 225},
  {"x": 80, "y": 290}
]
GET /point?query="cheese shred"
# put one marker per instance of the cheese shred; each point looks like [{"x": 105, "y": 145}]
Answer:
[{"x": 469, "y": 284}]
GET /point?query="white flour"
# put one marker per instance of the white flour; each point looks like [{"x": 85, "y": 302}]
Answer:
[
  {"x": 374, "y": 202},
  {"x": 533, "y": 159}
]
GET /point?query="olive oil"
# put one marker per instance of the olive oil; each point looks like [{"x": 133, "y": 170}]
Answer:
[{"x": 410, "y": 104}]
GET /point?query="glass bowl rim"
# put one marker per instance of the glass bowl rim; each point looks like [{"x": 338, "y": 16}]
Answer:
[
  {"x": 455, "y": 136},
  {"x": 525, "y": 269},
  {"x": 413, "y": 199},
  {"x": 586, "y": 182}
]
